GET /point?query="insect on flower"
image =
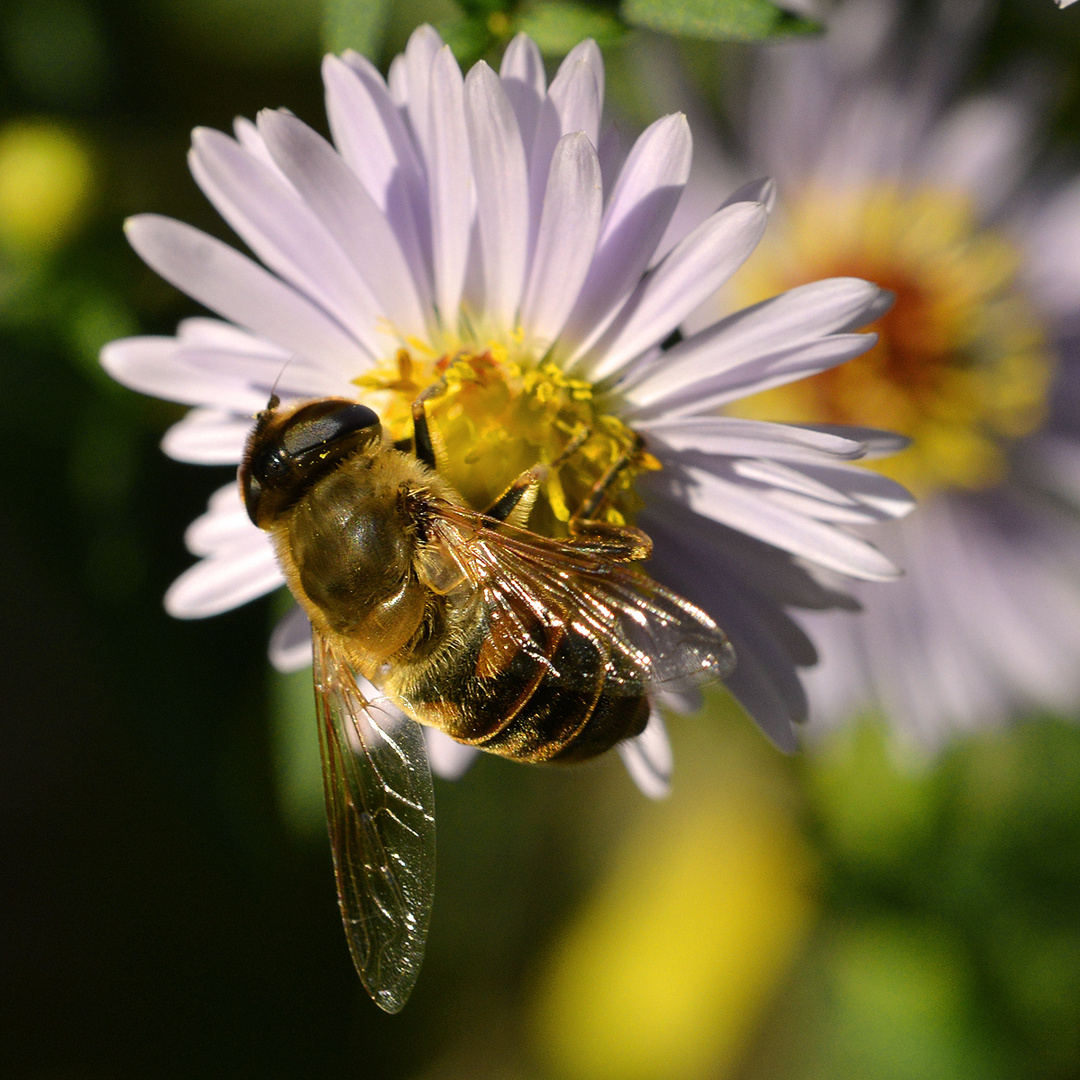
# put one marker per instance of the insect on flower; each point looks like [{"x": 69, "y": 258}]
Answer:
[
  {"x": 533, "y": 648},
  {"x": 468, "y": 319}
]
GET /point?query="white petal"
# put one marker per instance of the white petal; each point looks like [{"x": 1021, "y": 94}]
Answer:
[
  {"x": 648, "y": 757},
  {"x": 868, "y": 488},
  {"x": 232, "y": 577},
  {"x": 1052, "y": 250},
  {"x": 637, "y": 214},
  {"x": 688, "y": 275},
  {"x": 762, "y": 190},
  {"x": 234, "y": 374},
  {"x": 156, "y": 366},
  {"x": 711, "y": 391},
  {"x": 397, "y": 80},
  {"x": 417, "y": 68},
  {"x": 448, "y": 758},
  {"x": 577, "y": 91},
  {"x": 348, "y": 213},
  {"x": 773, "y": 326},
  {"x": 290, "y": 643},
  {"x": 235, "y": 287},
  {"x": 371, "y": 135},
  {"x": 764, "y": 680},
  {"x": 207, "y": 437},
  {"x": 612, "y": 152},
  {"x": 980, "y": 148},
  {"x": 878, "y": 443},
  {"x": 502, "y": 193},
  {"x": 733, "y": 436},
  {"x": 247, "y": 135},
  {"x": 565, "y": 241},
  {"x": 777, "y": 475},
  {"x": 737, "y": 506},
  {"x": 522, "y": 73},
  {"x": 224, "y": 524},
  {"x": 450, "y": 186},
  {"x": 281, "y": 229}
]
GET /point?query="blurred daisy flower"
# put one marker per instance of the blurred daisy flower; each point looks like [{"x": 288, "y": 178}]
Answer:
[
  {"x": 487, "y": 220},
  {"x": 880, "y": 174}
]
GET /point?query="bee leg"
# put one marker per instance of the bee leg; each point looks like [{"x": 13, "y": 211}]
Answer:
[
  {"x": 426, "y": 444},
  {"x": 587, "y": 510},
  {"x": 518, "y": 498},
  {"x": 423, "y": 446},
  {"x": 622, "y": 543}
]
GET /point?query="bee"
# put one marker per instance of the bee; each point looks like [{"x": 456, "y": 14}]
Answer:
[{"x": 427, "y": 611}]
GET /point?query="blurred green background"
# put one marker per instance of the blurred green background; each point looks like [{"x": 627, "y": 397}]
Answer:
[{"x": 168, "y": 905}]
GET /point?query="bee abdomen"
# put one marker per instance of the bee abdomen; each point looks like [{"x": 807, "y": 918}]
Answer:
[{"x": 554, "y": 706}]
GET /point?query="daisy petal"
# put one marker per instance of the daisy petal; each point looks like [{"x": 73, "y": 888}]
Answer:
[
  {"x": 799, "y": 315},
  {"x": 735, "y": 437},
  {"x": 417, "y": 75},
  {"x": 565, "y": 241},
  {"x": 645, "y": 197},
  {"x": 502, "y": 192},
  {"x": 224, "y": 524},
  {"x": 348, "y": 213},
  {"x": 878, "y": 443},
  {"x": 231, "y": 577},
  {"x": 290, "y": 642},
  {"x": 648, "y": 757},
  {"x": 711, "y": 392},
  {"x": 522, "y": 73},
  {"x": 449, "y": 760},
  {"x": 687, "y": 276},
  {"x": 207, "y": 437},
  {"x": 281, "y": 229},
  {"x": 739, "y": 507},
  {"x": 236, "y": 288},
  {"x": 765, "y": 640},
  {"x": 450, "y": 186},
  {"x": 577, "y": 91},
  {"x": 371, "y": 135}
]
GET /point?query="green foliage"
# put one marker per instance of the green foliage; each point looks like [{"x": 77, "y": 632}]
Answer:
[
  {"x": 557, "y": 26},
  {"x": 355, "y": 24},
  {"x": 469, "y": 37},
  {"x": 951, "y": 941},
  {"x": 717, "y": 20}
]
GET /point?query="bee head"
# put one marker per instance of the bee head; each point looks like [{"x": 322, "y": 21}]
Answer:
[{"x": 288, "y": 452}]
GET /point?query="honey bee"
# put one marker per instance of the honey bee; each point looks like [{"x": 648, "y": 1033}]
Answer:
[{"x": 534, "y": 648}]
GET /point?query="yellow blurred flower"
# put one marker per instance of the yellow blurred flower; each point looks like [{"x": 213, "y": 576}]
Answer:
[
  {"x": 46, "y": 184},
  {"x": 667, "y": 969}
]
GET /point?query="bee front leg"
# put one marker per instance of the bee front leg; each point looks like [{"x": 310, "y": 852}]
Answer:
[
  {"x": 622, "y": 543},
  {"x": 423, "y": 442},
  {"x": 519, "y": 497}
]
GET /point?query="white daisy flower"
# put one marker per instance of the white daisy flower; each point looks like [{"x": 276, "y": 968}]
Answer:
[
  {"x": 487, "y": 219},
  {"x": 881, "y": 175}
]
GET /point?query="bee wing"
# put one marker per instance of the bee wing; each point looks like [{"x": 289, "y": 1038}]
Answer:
[
  {"x": 379, "y": 806},
  {"x": 535, "y": 588}
]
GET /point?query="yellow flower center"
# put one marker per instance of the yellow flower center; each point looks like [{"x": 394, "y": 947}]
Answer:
[
  {"x": 501, "y": 412},
  {"x": 961, "y": 365}
]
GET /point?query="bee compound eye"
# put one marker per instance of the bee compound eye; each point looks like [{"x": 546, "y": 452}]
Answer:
[{"x": 320, "y": 425}]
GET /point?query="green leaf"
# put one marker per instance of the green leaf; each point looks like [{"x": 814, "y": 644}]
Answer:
[
  {"x": 468, "y": 37},
  {"x": 718, "y": 20},
  {"x": 355, "y": 24},
  {"x": 558, "y": 25}
]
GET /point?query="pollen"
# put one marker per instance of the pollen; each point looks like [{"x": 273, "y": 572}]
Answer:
[
  {"x": 961, "y": 366},
  {"x": 498, "y": 413}
]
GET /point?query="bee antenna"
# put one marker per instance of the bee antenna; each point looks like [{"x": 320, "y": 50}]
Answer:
[{"x": 274, "y": 400}]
